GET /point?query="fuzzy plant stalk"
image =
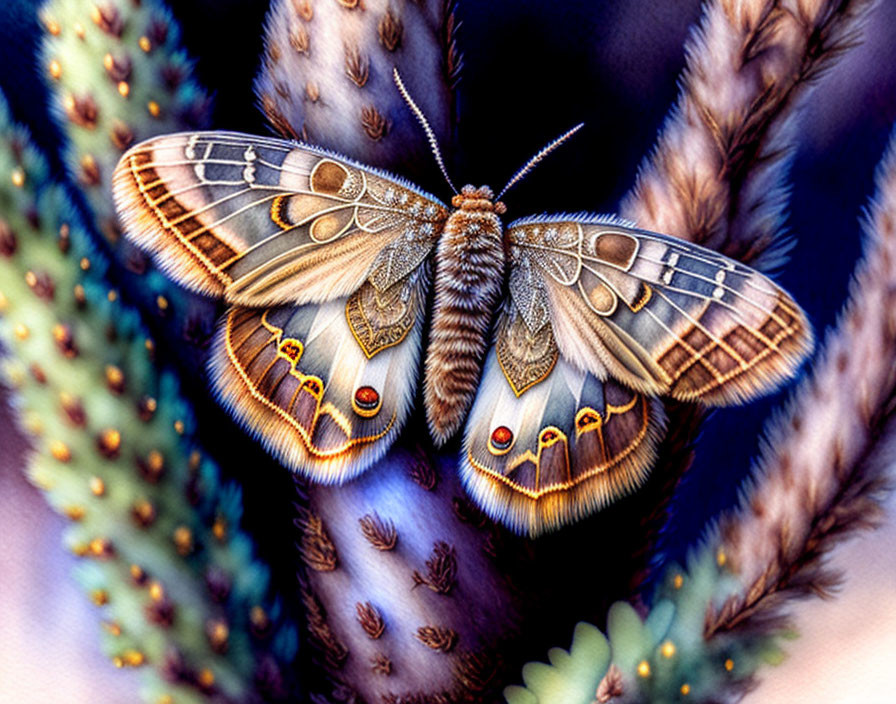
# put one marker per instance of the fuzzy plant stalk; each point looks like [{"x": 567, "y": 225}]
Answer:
[
  {"x": 118, "y": 75},
  {"x": 163, "y": 555},
  {"x": 824, "y": 474},
  {"x": 403, "y": 579},
  {"x": 407, "y": 587},
  {"x": 826, "y": 461},
  {"x": 718, "y": 174}
]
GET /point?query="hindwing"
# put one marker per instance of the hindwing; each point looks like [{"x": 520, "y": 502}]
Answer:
[
  {"x": 558, "y": 450},
  {"x": 325, "y": 387},
  {"x": 261, "y": 221}
]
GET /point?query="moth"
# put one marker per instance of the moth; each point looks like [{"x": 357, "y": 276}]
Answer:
[{"x": 549, "y": 339}]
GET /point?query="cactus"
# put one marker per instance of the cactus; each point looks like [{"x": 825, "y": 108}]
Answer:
[
  {"x": 118, "y": 75},
  {"x": 660, "y": 658},
  {"x": 408, "y": 585},
  {"x": 163, "y": 553},
  {"x": 327, "y": 77}
]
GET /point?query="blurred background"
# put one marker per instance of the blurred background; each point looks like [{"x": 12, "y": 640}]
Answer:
[{"x": 532, "y": 70}]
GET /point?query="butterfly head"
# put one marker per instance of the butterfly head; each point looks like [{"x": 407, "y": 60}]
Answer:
[{"x": 471, "y": 199}]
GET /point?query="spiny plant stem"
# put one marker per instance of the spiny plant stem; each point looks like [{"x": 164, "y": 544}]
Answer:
[{"x": 163, "y": 554}]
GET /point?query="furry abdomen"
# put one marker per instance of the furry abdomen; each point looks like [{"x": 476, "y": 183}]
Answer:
[{"x": 468, "y": 281}]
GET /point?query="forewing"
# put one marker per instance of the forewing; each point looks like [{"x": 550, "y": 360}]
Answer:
[
  {"x": 660, "y": 314},
  {"x": 262, "y": 221},
  {"x": 546, "y": 443},
  {"x": 325, "y": 387}
]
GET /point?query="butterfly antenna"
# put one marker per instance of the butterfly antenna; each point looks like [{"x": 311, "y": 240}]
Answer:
[
  {"x": 430, "y": 135},
  {"x": 518, "y": 176}
]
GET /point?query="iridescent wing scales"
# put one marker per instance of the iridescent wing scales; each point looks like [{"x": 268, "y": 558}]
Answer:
[{"x": 262, "y": 221}]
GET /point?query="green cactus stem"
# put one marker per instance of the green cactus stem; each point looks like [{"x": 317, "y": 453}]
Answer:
[
  {"x": 663, "y": 657},
  {"x": 118, "y": 75},
  {"x": 163, "y": 555}
]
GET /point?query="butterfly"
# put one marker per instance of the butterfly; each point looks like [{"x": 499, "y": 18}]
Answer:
[{"x": 549, "y": 340}]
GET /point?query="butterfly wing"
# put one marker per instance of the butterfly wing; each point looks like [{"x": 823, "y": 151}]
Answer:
[
  {"x": 325, "y": 387},
  {"x": 662, "y": 315},
  {"x": 325, "y": 262},
  {"x": 261, "y": 221},
  {"x": 547, "y": 443},
  {"x": 553, "y": 435}
]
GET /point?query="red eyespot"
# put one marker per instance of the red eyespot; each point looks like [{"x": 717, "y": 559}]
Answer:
[
  {"x": 291, "y": 349},
  {"x": 586, "y": 420},
  {"x": 312, "y": 386},
  {"x": 548, "y": 436},
  {"x": 502, "y": 437},
  {"x": 367, "y": 398}
]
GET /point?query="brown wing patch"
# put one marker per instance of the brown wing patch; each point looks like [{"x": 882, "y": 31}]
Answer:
[
  {"x": 616, "y": 248},
  {"x": 553, "y": 459},
  {"x": 736, "y": 363},
  {"x": 185, "y": 243},
  {"x": 330, "y": 177},
  {"x": 263, "y": 375}
]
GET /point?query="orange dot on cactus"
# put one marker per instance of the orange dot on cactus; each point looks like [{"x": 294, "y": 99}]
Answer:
[
  {"x": 97, "y": 486},
  {"x": 60, "y": 451}
]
